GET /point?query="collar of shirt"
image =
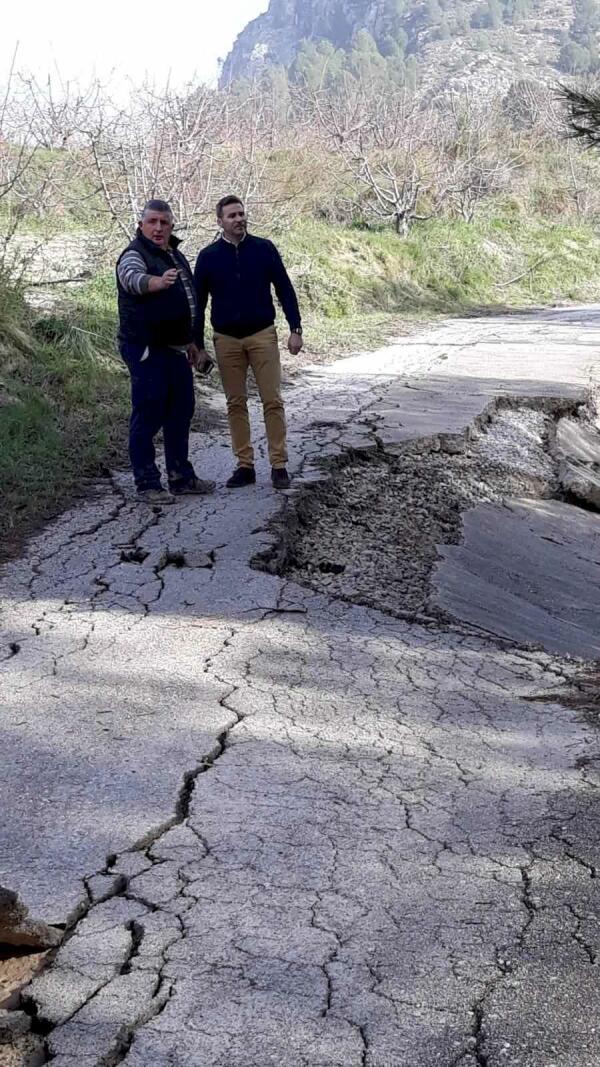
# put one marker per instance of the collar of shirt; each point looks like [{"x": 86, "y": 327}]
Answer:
[{"x": 224, "y": 238}]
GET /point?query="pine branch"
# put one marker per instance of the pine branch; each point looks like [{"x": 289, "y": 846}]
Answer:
[{"x": 583, "y": 119}]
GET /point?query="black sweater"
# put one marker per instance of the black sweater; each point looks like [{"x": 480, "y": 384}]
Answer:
[{"x": 239, "y": 280}]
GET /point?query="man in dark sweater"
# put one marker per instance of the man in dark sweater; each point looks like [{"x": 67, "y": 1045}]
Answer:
[
  {"x": 157, "y": 316},
  {"x": 237, "y": 272}
]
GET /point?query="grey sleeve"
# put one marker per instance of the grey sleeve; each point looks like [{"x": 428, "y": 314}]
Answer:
[{"x": 132, "y": 273}]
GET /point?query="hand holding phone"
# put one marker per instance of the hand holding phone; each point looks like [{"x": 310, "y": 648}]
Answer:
[
  {"x": 206, "y": 368},
  {"x": 199, "y": 359}
]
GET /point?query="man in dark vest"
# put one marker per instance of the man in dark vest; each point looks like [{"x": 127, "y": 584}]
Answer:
[
  {"x": 237, "y": 272},
  {"x": 157, "y": 315}
]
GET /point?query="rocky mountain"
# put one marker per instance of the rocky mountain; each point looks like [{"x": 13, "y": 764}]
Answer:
[{"x": 487, "y": 44}]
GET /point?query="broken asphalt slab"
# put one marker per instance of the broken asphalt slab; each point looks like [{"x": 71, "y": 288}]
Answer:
[{"x": 326, "y": 836}]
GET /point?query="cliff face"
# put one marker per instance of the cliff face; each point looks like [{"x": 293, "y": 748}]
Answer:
[
  {"x": 275, "y": 37},
  {"x": 487, "y": 43}
]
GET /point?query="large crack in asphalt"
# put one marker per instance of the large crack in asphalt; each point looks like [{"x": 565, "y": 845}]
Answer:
[
  {"x": 370, "y": 532},
  {"x": 121, "y": 887},
  {"x": 158, "y": 995},
  {"x": 119, "y": 972},
  {"x": 118, "y": 886}
]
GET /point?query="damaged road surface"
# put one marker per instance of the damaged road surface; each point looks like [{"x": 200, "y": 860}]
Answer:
[{"x": 286, "y": 824}]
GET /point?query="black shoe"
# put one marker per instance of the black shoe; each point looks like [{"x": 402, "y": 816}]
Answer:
[
  {"x": 241, "y": 476},
  {"x": 280, "y": 478}
]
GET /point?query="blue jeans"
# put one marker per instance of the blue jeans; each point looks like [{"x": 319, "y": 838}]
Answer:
[{"x": 162, "y": 398}]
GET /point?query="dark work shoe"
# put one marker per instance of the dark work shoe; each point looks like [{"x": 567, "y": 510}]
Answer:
[
  {"x": 155, "y": 496},
  {"x": 280, "y": 478},
  {"x": 192, "y": 487},
  {"x": 241, "y": 476}
]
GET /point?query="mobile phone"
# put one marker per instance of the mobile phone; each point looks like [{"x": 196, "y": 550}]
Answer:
[{"x": 207, "y": 369}]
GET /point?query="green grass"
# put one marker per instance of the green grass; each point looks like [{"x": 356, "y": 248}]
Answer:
[
  {"x": 64, "y": 391},
  {"x": 442, "y": 267},
  {"x": 63, "y": 403}
]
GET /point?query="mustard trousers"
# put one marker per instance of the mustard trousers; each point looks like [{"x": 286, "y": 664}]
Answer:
[{"x": 259, "y": 351}]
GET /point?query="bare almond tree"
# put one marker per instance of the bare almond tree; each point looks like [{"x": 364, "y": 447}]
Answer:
[
  {"x": 163, "y": 144},
  {"x": 42, "y": 165},
  {"x": 188, "y": 146},
  {"x": 482, "y": 154},
  {"x": 17, "y": 151},
  {"x": 391, "y": 146}
]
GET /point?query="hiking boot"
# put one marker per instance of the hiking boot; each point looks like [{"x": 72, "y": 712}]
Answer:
[
  {"x": 241, "y": 476},
  {"x": 192, "y": 487},
  {"x": 280, "y": 478},
  {"x": 155, "y": 496}
]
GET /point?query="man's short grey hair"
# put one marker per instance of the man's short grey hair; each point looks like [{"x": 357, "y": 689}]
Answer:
[{"x": 156, "y": 205}]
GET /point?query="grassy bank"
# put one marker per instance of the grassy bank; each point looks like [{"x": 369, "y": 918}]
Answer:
[
  {"x": 441, "y": 268},
  {"x": 63, "y": 403},
  {"x": 64, "y": 391}
]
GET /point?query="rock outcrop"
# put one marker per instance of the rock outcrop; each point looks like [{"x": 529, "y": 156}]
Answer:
[{"x": 469, "y": 42}]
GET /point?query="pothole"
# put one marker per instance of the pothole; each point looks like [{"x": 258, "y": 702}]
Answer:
[
  {"x": 22, "y": 1050},
  {"x": 18, "y": 964},
  {"x": 18, "y": 1046},
  {"x": 134, "y": 555},
  {"x": 179, "y": 557},
  {"x": 26, "y": 946},
  {"x": 370, "y": 533}
]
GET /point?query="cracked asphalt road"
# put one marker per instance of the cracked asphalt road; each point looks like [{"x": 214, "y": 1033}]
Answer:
[{"x": 282, "y": 828}]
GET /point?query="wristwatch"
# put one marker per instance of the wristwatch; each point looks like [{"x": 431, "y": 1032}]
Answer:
[{"x": 298, "y": 330}]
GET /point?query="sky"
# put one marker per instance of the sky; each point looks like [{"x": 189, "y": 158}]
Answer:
[{"x": 119, "y": 40}]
